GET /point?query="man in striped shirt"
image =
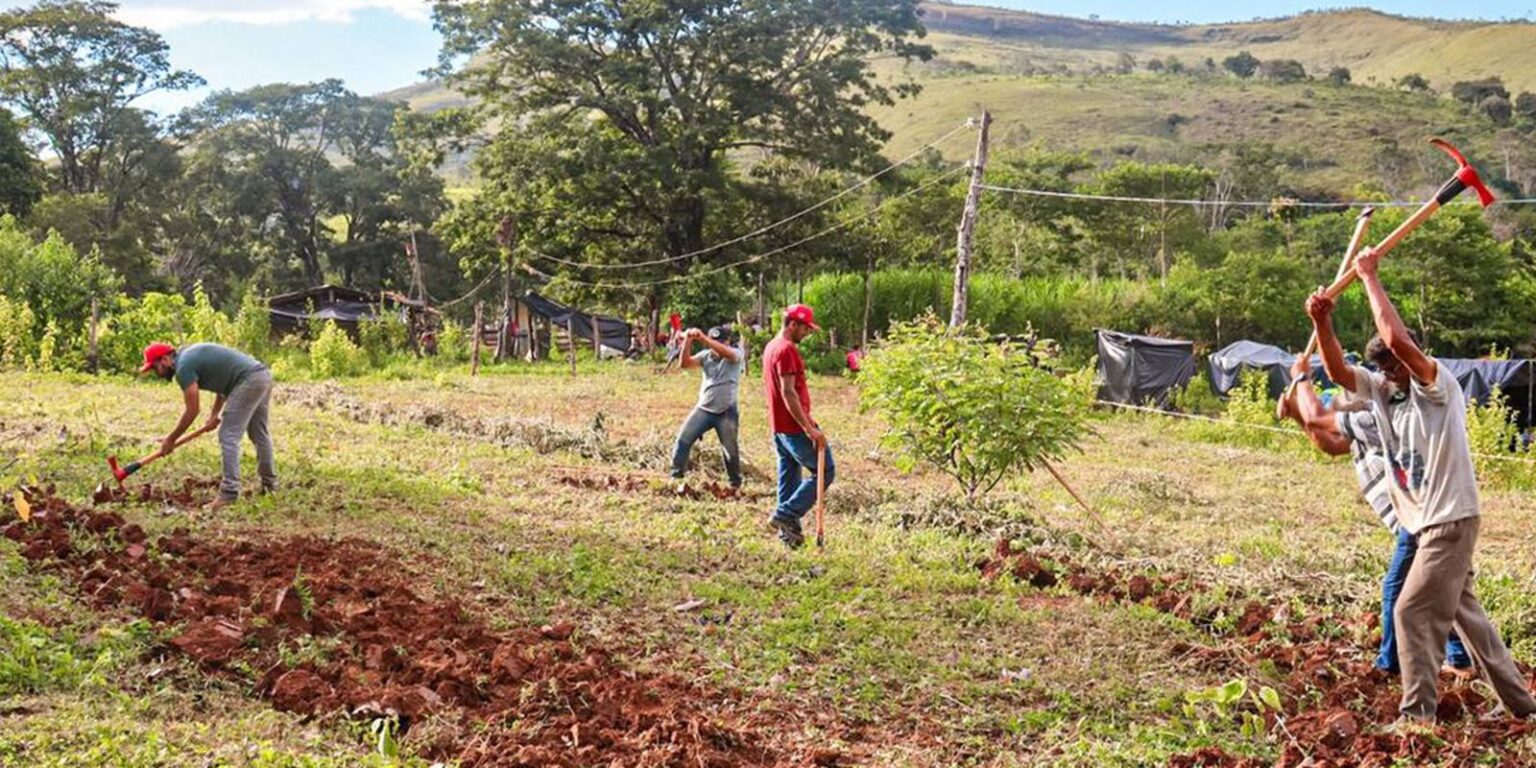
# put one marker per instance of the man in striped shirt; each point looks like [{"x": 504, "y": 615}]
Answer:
[{"x": 1352, "y": 429}]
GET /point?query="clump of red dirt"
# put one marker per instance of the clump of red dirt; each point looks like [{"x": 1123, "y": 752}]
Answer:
[
  {"x": 191, "y": 492},
  {"x": 369, "y": 644},
  {"x": 1335, "y": 700},
  {"x": 693, "y": 491}
]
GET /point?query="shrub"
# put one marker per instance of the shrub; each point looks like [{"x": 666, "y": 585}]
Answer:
[
  {"x": 453, "y": 342},
  {"x": 1494, "y": 437},
  {"x": 975, "y": 410},
  {"x": 251, "y": 331},
  {"x": 381, "y": 338},
  {"x": 205, "y": 323},
  {"x": 134, "y": 323},
  {"x": 16, "y": 332},
  {"x": 332, "y": 353}
]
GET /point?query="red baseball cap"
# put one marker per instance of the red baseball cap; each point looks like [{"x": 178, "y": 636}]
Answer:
[
  {"x": 800, "y": 313},
  {"x": 153, "y": 353}
]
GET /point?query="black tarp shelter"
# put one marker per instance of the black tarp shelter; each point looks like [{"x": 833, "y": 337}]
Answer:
[
  {"x": 1228, "y": 365},
  {"x": 347, "y": 307},
  {"x": 1142, "y": 369},
  {"x": 614, "y": 332},
  {"x": 1515, "y": 378}
]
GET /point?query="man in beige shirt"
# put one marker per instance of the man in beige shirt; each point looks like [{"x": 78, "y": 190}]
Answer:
[{"x": 1434, "y": 492}]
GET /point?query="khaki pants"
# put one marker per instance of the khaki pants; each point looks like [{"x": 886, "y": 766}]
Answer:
[
  {"x": 1437, "y": 596},
  {"x": 246, "y": 411}
]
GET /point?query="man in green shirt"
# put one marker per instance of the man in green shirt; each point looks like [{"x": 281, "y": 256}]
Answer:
[{"x": 243, "y": 389}]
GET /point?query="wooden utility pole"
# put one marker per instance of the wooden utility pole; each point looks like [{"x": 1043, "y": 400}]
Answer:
[
  {"x": 968, "y": 227},
  {"x": 506, "y": 236}
]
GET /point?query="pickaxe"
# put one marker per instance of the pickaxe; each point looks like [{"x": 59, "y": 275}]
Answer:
[
  {"x": 1362, "y": 225},
  {"x": 1465, "y": 178},
  {"x": 121, "y": 472}
]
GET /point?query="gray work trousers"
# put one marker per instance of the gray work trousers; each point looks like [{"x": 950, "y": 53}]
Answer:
[
  {"x": 1436, "y": 596},
  {"x": 245, "y": 412}
]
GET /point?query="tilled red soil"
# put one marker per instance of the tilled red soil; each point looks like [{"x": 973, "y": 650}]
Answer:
[
  {"x": 693, "y": 491},
  {"x": 1335, "y": 702},
  {"x": 368, "y": 644}
]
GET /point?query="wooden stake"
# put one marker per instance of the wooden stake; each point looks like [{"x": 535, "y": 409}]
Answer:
[
  {"x": 570, "y": 332},
  {"x": 821, "y": 497},
  {"x": 1097, "y": 521},
  {"x": 90, "y": 354},
  {"x": 474, "y": 353},
  {"x": 967, "y": 232}
]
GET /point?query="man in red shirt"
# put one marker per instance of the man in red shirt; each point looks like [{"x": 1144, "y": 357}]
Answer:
[{"x": 796, "y": 437}]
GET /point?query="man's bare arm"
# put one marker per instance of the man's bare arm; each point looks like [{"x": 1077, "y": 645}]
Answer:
[
  {"x": 723, "y": 350},
  {"x": 1320, "y": 309},
  {"x": 1389, "y": 324}
]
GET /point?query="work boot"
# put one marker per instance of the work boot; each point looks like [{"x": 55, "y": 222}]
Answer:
[{"x": 789, "y": 532}]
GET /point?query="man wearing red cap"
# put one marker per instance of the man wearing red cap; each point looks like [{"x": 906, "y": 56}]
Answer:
[
  {"x": 243, "y": 389},
  {"x": 796, "y": 437}
]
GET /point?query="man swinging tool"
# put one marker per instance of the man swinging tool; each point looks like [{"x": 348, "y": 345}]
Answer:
[
  {"x": 243, "y": 387},
  {"x": 721, "y": 363},
  {"x": 1434, "y": 493},
  {"x": 1353, "y": 431}
]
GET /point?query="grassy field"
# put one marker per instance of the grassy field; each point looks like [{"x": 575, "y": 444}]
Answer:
[{"x": 536, "y": 498}]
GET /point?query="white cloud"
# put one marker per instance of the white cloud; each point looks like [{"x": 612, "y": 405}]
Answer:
[{"x": 169, "y": 14}]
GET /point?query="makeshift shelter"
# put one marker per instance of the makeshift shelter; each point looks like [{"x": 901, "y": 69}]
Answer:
[
  {"x": 1515, "y": 378},
  {"x": 611, "y": 332},
  {"x": 1142, "y": 369},
  {"x": 347, "y": 307},
  {"x": 1228, "y": 365}
]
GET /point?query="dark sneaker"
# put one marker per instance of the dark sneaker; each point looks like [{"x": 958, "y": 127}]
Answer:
[{"x": 789, "y": 532}]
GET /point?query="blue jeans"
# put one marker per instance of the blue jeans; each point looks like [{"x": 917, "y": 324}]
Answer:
[
  {"x": 725, "y": 424},
  {"x": 1391, "y": 586},
  {"x": 797, "y": 495}
]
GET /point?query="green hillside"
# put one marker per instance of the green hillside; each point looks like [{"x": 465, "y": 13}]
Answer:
[{"x": 1052, "y": 81}]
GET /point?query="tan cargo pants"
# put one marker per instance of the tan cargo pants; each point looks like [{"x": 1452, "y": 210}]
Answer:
[{"x": 1436, "y": 596}]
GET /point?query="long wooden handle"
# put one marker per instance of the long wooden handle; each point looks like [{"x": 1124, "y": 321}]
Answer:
[
  {"x": 179, "y": 443},
  {"x": 1386, "y": 246},
  {"x": 1362, "y": 226},
  {"x": 821, "y": 495}
]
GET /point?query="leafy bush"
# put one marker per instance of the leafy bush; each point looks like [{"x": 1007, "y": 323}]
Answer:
[
  {"x": 1198, "y": 398},
  {"x": 453, "y": 342},
  {"x": 205, "y": 323},
  {"x": 251, "y": 331},
  {"x": 381, "y": 338},
  {"x": 135, "y": 323},
  {"x": 52, "y": 279},
  {"x": 975, "y": 410},
  {"x": 1494, "y": 436},
  {"x": 16, "y": 337},
  {"x": 333, "y": 355}
]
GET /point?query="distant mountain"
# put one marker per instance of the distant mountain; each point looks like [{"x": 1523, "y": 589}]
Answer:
[{"x": 1062, "y": 83}]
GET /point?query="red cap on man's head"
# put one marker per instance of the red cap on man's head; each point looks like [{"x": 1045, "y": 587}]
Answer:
[
  {"x": 800, "y": 313},
  {"x": 154, "y": 352}
]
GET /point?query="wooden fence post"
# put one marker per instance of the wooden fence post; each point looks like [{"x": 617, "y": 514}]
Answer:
[
  {"x": 474, "y": 354},
  {"x": 570, "y": 338}
]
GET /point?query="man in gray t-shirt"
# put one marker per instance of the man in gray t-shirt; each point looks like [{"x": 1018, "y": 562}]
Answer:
[
  {"x": 721, "y": 362},
  {"x": 242, "y": 389},
  {"x": 1434, "y": 493}
]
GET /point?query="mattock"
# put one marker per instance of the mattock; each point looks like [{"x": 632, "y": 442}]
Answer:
[
  {"x": 1362, "y": 225},
  {"x": 1465, "y": 178}
]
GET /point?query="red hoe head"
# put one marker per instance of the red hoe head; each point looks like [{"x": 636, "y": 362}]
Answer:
[
  {"x": 117, "y": 471},
  {"x": 1465, "y": 174}
]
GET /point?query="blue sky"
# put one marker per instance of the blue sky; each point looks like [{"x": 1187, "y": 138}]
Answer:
[{"x": 376, "y": 45}]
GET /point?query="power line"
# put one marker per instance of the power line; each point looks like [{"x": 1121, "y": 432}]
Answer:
[
  {"x": 761, "y": 256},
  {"x": 1264, "y": 428},
  {"x": 769, "y": 227},
  {"x": 472, "y": 291},
  {"x": 1228, "y": 203}
]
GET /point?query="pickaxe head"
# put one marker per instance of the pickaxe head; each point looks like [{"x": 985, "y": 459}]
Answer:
[
  {"x": 1465, "y": 174},
  {"x": 117, "y": 472}
]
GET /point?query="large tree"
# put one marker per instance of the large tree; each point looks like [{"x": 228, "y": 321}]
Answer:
[
  {"x": 313, "y": 177},
  {"x": 616, "y": 121},
  {"x": 20, "y": 174},
  {"x": 75, "y": 72}
]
